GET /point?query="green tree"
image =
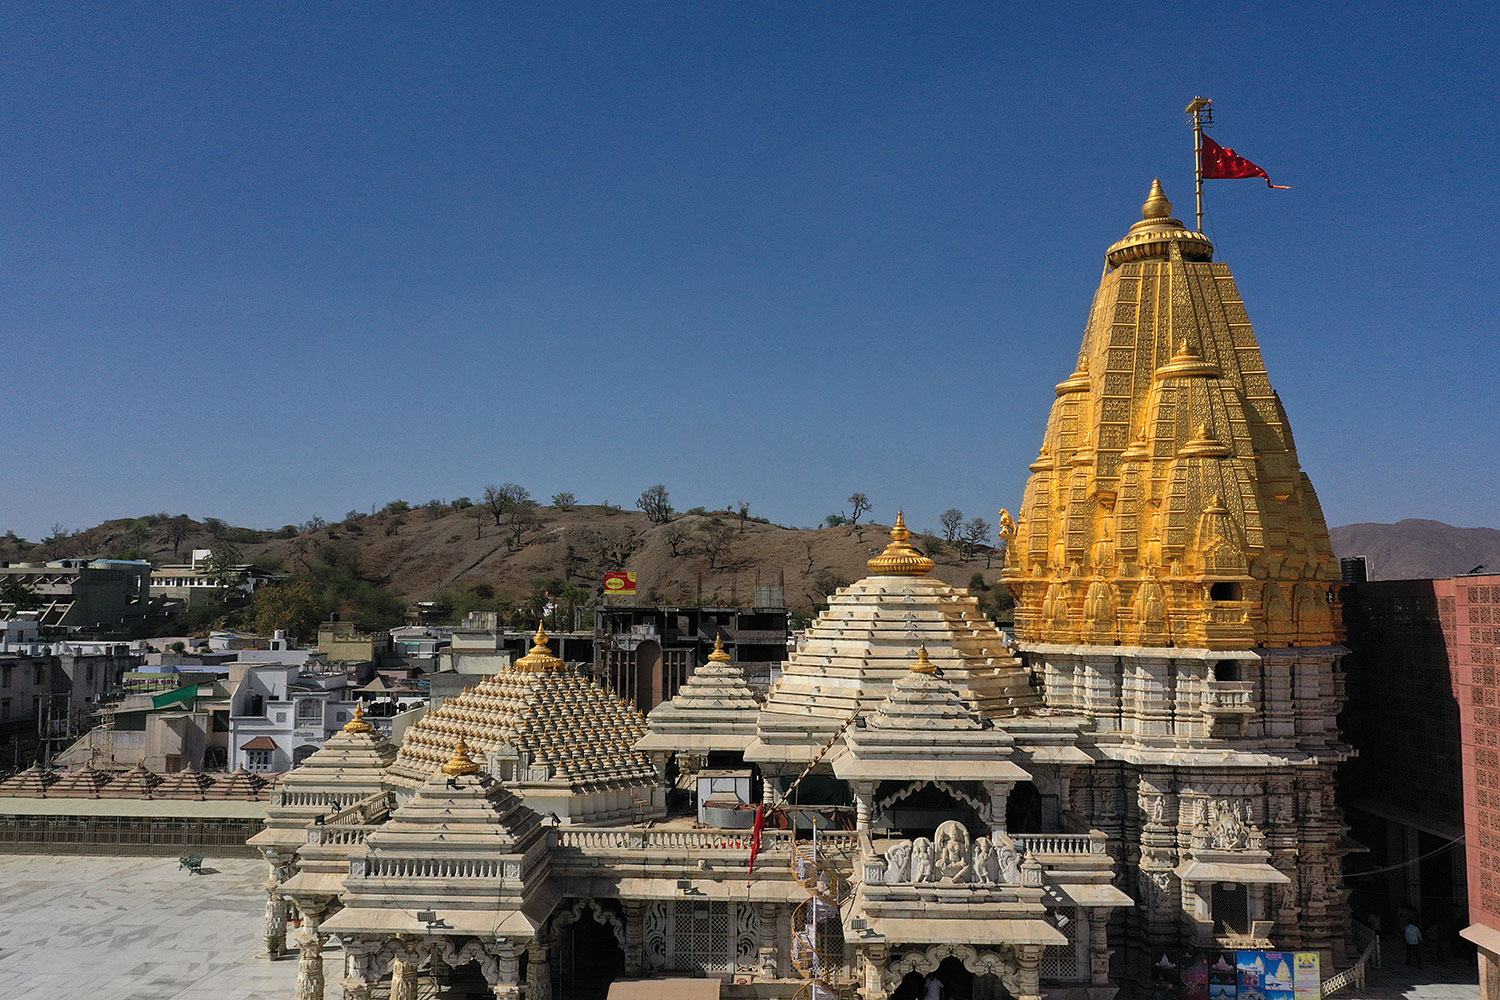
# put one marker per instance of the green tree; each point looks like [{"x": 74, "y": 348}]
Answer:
[
  {"x": 564, "y": 501},
  {"x": 19, "y": 594},
  {"x": 223, "y": 568},
  {"x": 289, "y": 606}
]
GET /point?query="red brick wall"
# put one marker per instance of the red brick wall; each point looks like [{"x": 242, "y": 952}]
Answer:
[{"x": 1470, "y": 611}]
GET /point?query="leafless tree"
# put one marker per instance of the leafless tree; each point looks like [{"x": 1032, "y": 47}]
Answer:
[
  {"x": 501, "y": 500},
  {"x": 177, "y": 530},
  {"x": 676, "y": 535},
  {"x": 656, "y": 503},
  {"x": 717, "y": 536},
  {"x": 952, "y": 519},
  {"x": 858, "y": 504}
]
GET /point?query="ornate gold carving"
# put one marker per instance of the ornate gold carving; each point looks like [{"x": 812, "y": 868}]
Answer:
[
  {"x": 540, "y": 659},
  {"x": 900, "y": 558},
  {"x": 1214, "y": 537},
  {"x": 358, "y": 723},
  {"x": 460, "y": 763}
]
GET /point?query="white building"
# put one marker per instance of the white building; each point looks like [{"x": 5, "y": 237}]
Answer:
[{"x": 278, "y": 716}]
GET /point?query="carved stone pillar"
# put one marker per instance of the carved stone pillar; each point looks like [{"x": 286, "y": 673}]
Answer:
[
  {"x": 503, "y": 972},
  {"x": 1098, "y": 930},
  {"x": 864, "y": 802},
  {"x": 999, "y": 793},
  {"x": 635, "y": 937},
  {"x": 766, "y": 951},
  {"x": 874, "y": 971},
  {"x": 310, "y": 959},
  {"x": 278, "y": 869},
  {"x": 403, "y": 980},
  {"x": 538, "y": 973},
  {"x": 359, "y": 983},
  {"x": 1029, "y": 971}
]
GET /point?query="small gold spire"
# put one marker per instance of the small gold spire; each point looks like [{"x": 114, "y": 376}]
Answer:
[
  {"x": 718, "y": 655},
  {"x": 922, "y": 665},
  {"x": 460, "y": 763},
  {"x": 540, "y": 659},
  {"x": 1157, "y": 206},
  {"x": 358, "y": 723},
  {"x": 900, "y": 558}
]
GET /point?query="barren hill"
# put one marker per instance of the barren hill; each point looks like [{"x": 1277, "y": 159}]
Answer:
[
  {"x": 1417, "y": 549},
  {"x": 424, "y": 551}
]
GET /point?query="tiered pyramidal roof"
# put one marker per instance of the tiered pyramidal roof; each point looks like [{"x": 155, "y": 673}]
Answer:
[
  {"x": 1167, "y": 504},
  {"x": 714, "y": 710},
  {"x": 573, "y": 730},
  {"x": 868, "y": 638}
]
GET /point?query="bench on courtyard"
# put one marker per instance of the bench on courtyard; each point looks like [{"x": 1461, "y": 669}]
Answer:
[{"x": 193, "y": 863}]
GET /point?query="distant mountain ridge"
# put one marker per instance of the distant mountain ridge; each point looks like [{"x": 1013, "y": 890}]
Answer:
[{"x": 1418, "y": 549}]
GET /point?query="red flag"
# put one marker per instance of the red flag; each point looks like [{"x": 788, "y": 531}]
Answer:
[
  {"x": 760, "y": 824},
  {"x": 1221, "y": 163}
]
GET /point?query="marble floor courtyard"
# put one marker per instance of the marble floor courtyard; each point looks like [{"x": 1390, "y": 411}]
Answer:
[{"x": 105, "y": 928}]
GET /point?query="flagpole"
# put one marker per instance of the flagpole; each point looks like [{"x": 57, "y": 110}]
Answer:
[{"x": 1202, "y": 110}]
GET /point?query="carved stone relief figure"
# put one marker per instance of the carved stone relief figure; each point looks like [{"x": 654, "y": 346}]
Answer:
[
  {"x": 953, "y": 852},
  {"x": 1099, "y": 606},
  {"x": 923, "y": 857},
  {"x": 986, "y": 862},
  {"x": 1230, "y": 832},
  {"x": 1009, "y": 862},
  {"x": 898, "y": 862}
]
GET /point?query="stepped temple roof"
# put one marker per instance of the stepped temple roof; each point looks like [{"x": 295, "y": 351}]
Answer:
[
  {"x": 188, "y": 784},
  {"x": 464, "y": 846},
  {"x": 714, "y": 710},
  {"x": 1167, "y": 505},
  {"x": 84, "y": 783},
  {"x": 572, "y": 730},
  {"x": 867, "y": 639},
  {"x": 925, "y": 730},
  {"x": 137, "y": 783}
]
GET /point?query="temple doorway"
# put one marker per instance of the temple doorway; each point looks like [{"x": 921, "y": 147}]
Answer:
[
  {"x": 589, "y": 958},
  {"x": 1023, "y": 810},
  {"x": 957, "y": 983}
]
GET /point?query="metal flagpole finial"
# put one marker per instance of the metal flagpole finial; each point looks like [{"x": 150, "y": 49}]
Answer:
[{"x": 1202, "y": 111}]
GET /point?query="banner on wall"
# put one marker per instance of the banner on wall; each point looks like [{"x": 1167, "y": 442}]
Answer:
[{"x": 1307, "y": 976}]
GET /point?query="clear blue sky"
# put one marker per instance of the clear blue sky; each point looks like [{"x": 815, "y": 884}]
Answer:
[{"x": 262, "y": 261}]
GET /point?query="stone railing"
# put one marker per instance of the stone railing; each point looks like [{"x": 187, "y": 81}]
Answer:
[
  {"x": 446, "y": 868},
  {"x": 376, "y": 805},
  {"x": 1093, "y": 842},
  {"x": 1228, "y": 696},
  {"x": 342, "y": 834},
  {"x": 679, "y": 841},
  {"x": 327, "y": 800}
]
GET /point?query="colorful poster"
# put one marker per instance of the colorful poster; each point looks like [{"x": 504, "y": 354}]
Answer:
[
  {"x": 1251, "y": 966},
  {"x": 1278, "y": 981},
  {"x": 619, "y": 583},
  {"x": 1307, "y": 976},
  {"x": 1165, "y": 983},
  {"x": 1223, "y": 982},
  {"x": 1194, "y": 967}
]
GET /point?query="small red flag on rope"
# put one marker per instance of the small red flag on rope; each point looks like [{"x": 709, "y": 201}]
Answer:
[
  {"x": 1221, "y": 163},
  {"x": 760, "y": 824}
]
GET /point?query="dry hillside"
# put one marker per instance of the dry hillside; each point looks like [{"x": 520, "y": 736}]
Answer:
[
  {"x": 1417, "y": 549},
  {"x": 421, "y": 552}
]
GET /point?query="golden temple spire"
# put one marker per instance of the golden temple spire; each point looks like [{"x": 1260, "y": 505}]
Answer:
[
  {"x": 923, "y": 665},
  {"x": 1157, "y": 206},
  {"x": 718, "y": 655},
  {"x": 358, "y": 723},
  {"x": 540, "y": 659},
  {"x": 900, "y": 557},
  {"x": 460, "y": 763}
]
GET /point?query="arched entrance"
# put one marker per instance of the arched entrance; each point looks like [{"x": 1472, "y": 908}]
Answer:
[
  {"x": 917, "y": 808},
  {"x": 589, "y": 955},
  {"x": 957, "y": 983}
]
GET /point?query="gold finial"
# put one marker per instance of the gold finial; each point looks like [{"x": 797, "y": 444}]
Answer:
[
  {"x": 540, "y": 659},
  {"x": 900, "y": 558},
  {"x": 922, "y": 665},
  {"x": 460, "y": 763},
  {"x": 1157, "y": 206},
  {"x": 718, "y": 655},
  {"x": 358, "y": 723}
]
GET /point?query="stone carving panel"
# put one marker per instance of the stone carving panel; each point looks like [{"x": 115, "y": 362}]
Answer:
[{"x": 953, "y": 860}]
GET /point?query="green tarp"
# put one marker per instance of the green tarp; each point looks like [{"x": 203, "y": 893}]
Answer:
[{"x": 184, "y": 695}]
